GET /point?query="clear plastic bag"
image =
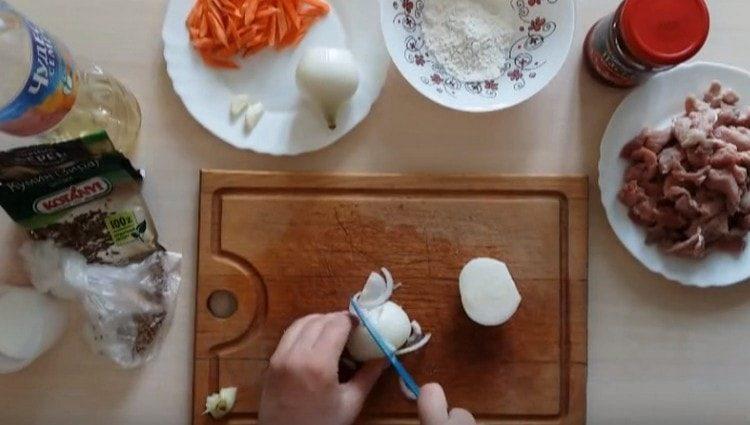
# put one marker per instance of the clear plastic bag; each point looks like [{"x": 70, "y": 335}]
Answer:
[
  {"x": 44, "y": 263},
  {"x": 128, "y": 308}
]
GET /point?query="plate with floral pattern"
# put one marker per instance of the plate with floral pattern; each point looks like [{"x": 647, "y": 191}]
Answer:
[{"x": 542, "y": 39}]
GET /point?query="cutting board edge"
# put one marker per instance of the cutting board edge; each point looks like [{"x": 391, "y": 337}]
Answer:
[{"x": 573, "y": 187}]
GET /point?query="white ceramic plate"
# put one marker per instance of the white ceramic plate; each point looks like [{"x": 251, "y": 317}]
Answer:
[
  {"x": 292, "y": 124},
  {"x": 654, "y": 104},
  {"x": 544, "y": 33}
]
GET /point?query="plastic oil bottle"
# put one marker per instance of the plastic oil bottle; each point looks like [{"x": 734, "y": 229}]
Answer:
[{"x": 46, "y": 95}]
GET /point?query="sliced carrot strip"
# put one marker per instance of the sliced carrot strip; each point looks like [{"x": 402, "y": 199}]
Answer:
[
  {"x": 203, "y": 27},
  {"x": 272, "y": 31},
  {"x": 222, "y": 29},
  {"x": 203, "y": 43},
  {"x": 266, "y": 12},
  {"x": 281, "y": 26},
  {"x": 319, "y": 4},
  {"x": 291, "y": 11},
  {"x": 251, "y": 8}
]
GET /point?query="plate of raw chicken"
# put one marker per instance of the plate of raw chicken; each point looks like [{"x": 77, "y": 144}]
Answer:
[{"x": 673, "y": 174}]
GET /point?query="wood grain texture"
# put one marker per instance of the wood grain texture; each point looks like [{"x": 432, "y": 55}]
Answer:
[{"x": 290, "y": 245}]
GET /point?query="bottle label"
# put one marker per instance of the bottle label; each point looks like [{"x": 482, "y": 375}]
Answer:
[{"x": 49, "y": 92}]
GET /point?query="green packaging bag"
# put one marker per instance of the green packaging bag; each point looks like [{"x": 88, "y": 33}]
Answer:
[{"x": 83, "y": 195}]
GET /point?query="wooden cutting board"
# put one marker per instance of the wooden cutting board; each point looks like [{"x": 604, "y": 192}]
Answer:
[{"x": 287, "y": 245}]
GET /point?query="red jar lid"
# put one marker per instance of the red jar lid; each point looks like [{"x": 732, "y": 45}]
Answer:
[{"x": 664, "y": 32}]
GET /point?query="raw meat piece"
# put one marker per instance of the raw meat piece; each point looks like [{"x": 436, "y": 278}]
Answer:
[
  {"x": 686, "y": 134},
  {"x": 696, "y": 177},
  {"x": 725, "y": 157},
  {"x": 693, "y": 104},
  {"x": 687, "y": 206},
  {"x": 733, "y": 240},
  {"x": 744, "y": 222},
  {"x": 694, "y": 246},
  {"x": 745, "y": 159},
  {"x": 657, "y": 139},
  {"x": 740, "y": 174},
  {"x": 646, "y": 165},
  {"x": 709, "y": 203},
  {"x": 730, "y": 97},
  {"x": 670, "y": 159},
  {"x": 673, "y": 189},
  {"x": 716, "y": 228},
  {"x": 631, "y": 194},
  {"x": 698, "y": 157},
  {"x": 713, "y": 95},
  {"x": 745, "y": 203},
  {"x": 670, "y": 218},
  {"x": 635, "y": 144},
  {"x": 645, "y": 212},
  {"x": 723, "y": 181},
  {"x": 653, "y": 188},
  {"x": 688, "y": 184},
  {"x": 738, "y": 136}
]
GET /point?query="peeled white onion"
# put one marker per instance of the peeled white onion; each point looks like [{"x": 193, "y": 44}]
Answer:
[
  {"x": 392, "y": 323},
  {"x": 30, "y": 323},
  {"x": 488, "y": 293},
  {"x": 331, "y": 77}
]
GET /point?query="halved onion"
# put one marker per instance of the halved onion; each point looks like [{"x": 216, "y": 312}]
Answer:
[
  {"x": 30, "y": 323},
  {"x": 488, "y": 293}
]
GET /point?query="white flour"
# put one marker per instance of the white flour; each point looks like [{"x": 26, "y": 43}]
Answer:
[{"x": 470, "y": 38}]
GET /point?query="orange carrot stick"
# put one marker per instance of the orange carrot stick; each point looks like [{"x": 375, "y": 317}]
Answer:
[
  {"x": 281, "y": 25},
  {"x": 291, "y": 11},
  {"x": 222, "y": 29},
  {"x": 250, "y": 11},
  {"x": 319, "y": 4}
]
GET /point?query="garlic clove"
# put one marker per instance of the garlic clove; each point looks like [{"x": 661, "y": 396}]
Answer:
[
  {"x": 212, "y": 403},
  {"x": 221, "y": 403},
  {"x": 253, "y": 115},
  {"x": 238, "y": 104}
]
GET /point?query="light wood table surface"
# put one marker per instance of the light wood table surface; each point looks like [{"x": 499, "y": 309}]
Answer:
[{"x": 658, "y": 352}]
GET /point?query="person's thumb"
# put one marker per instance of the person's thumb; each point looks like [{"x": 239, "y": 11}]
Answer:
[
  {"x": 432, "y": 405},
  {"x": 361, "y": 384}
]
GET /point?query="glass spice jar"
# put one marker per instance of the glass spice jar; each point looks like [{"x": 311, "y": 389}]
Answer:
[{"x": 643, "y": 37}]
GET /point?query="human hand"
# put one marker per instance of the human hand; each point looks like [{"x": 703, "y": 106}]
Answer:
[
  {"x": 433, "y": 408},
  {"x": 302, "y": 385}
]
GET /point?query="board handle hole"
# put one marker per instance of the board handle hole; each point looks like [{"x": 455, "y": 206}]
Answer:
[{"x": 222, "y": 304}]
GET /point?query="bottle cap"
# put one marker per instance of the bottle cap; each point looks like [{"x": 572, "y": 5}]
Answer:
[{"x": 664, "y": 32}]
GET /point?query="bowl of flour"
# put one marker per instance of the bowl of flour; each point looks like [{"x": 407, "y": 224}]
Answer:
[{"x": 478, "y": 55}]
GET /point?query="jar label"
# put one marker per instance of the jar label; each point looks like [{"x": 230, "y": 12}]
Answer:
[
  {"x": 50, "y": 90},
  {"x": 603, "y": 58}
]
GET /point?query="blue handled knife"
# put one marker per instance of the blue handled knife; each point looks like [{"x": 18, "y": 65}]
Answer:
[{"x": 390, "y": 354}]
